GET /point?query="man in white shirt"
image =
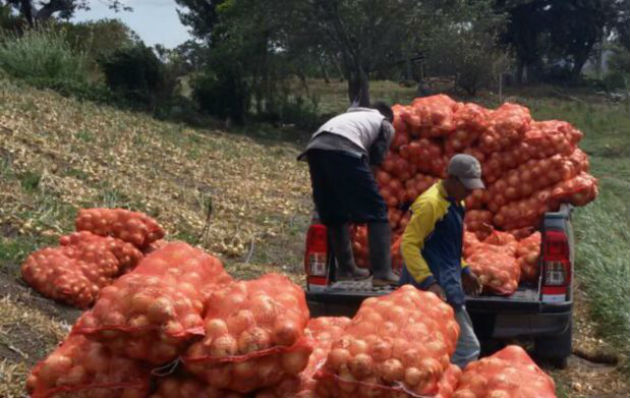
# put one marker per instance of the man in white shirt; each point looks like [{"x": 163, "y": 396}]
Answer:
[{"x": 340, "y": 156}]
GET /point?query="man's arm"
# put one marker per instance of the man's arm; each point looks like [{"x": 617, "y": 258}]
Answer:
[
  {"x": 419, "y": 227},
  {"x": 378, "y": 149}
]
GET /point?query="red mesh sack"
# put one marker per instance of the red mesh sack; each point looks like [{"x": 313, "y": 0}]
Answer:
[
  {"x": 324, "y": 331},
  {"x": 84, "y": 368},
  {"x": 496, "y": 163},
  {"x": 527, "y": 253},
  {"x": 184, "y": 385},
  {"x": 470, "y": 122},
  {"x": 506, "y": 126},
  {"x": 130, "y": 226},
  {"x": 55, "y": 275},
  {"x": 396, "y": 345},
  {"x": 526, "y": 212},
  {"x": 91, "y": 247},
  {"x": 417, "y": 185},
  {"x": 578, "y": 191},
  {"x": 152, "y": 312},
  {"x": 448, "y": 383},
  {"x": 254, "y": 335},
  {"x": 496, "y": 267},
  {"x": 530, "y": 177},
  {"x": 470, "y": 241},
  {"x": 435, "y": 114},
  {"x": 546, "y": 138},
  {"x": 507, "y": 373},
  {"x": 478, "y": 220}
]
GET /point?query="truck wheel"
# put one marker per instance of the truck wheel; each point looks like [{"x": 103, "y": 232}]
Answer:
[{"x": 555, "y": 349}]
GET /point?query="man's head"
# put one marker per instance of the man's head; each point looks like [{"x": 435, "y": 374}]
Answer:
[
  {"x": 384, "y": 109},
  {"x": 464, "y": 176}
]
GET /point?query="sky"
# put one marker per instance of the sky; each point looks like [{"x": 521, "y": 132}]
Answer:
[{"x": 155, "y": 21}]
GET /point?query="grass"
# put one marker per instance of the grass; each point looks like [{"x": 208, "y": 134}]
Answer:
[{"x": 41, "y": 54}]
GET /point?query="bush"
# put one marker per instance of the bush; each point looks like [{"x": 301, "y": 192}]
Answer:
[
  {"x": 136, "y": 74},
  {"x": 41, "y": 53},
  {"x": 222, "y": 94}
]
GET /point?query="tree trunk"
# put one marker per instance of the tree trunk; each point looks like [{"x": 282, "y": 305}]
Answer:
[
  {"x": 359, "y": 87},
  {"x": 27, "y": 11},
  {"x": 322, "y": 65},
  {"x": 519, "y": 71},
  {"x": 580, "y": 60}
]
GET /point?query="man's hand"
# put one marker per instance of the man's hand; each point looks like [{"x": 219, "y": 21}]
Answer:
[
  {"x": 437, "y": 289},
  {"x": 472, "y": 285}
]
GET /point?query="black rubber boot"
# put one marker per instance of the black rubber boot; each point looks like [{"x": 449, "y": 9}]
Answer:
[
  {"x": 342, "y": 249},
  {"x": 379, "y": 238}
]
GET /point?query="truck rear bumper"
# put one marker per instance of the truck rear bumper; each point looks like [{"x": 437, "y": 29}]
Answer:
[{"x": 492, "y": 317}]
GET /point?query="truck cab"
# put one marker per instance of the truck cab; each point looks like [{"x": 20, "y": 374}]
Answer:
[{"x": 541, "y": 311}]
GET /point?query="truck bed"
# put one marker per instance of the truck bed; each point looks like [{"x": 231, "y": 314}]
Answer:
[{"x": 362, "y": 289}]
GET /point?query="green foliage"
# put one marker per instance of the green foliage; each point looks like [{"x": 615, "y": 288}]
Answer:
[
  {"x": 223, "y": 94},
  {"x": 618, "y": 76},
  {"x": 41, "y": 53},
  {"x": 136, "y": 74}
]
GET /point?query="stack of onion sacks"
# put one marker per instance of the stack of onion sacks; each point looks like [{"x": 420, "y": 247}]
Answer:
[
  {"x": 152, "y": 312},
  {"x": 254, "y": 335},
  {"x": 396, "y": 344}
]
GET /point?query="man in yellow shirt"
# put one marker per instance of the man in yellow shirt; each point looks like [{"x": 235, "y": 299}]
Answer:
[{"x": 431, "y": 247}]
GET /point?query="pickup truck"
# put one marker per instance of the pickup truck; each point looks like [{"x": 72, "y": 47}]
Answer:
[{"x": 542, "y": 311}]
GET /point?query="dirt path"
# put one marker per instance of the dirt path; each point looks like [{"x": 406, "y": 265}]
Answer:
[{"x": 597, "y": 376}]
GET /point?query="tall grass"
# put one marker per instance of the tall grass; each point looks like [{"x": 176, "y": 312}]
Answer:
[{"x": 41, "y": 54}]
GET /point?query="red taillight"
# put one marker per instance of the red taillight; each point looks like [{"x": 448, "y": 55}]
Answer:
[
  {"x": 556, "y": 266},
  {"x": 315, "y": 257}
]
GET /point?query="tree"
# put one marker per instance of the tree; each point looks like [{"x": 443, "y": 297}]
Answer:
[
  {"x": 545, "y": 33},
  {"x": 39, "y": 10}
]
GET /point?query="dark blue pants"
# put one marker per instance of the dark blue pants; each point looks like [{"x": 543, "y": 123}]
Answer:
[{"x": 344, "y": 189}]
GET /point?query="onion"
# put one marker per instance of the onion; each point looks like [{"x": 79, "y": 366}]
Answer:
[
  {"x": 252, "y": 340},
  {"x": 264, "y": 309},
  {"x": 73, "y": 377},
  {"x": 393, "y": 370},
  {"x": 140, "y": 303},
  {"x": 223, "y": 346},
  {"x": 215, "y": 327},
  {"x": 294, "y": 362},
  {"x": 192, "y": 320},
  {"x": 285, "y": 332},
  {"x": 337, "y": 358},
  {"x": 161, "y": 310},
  {"x": 240, "y": 322},
  {"x": 381, "y": 350},
  {"x": 245, "y": 369},
  {"x": 361, "y": 365},
  {"x": 358, "y": 346},
  {"x": 53, "y": 367}
]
